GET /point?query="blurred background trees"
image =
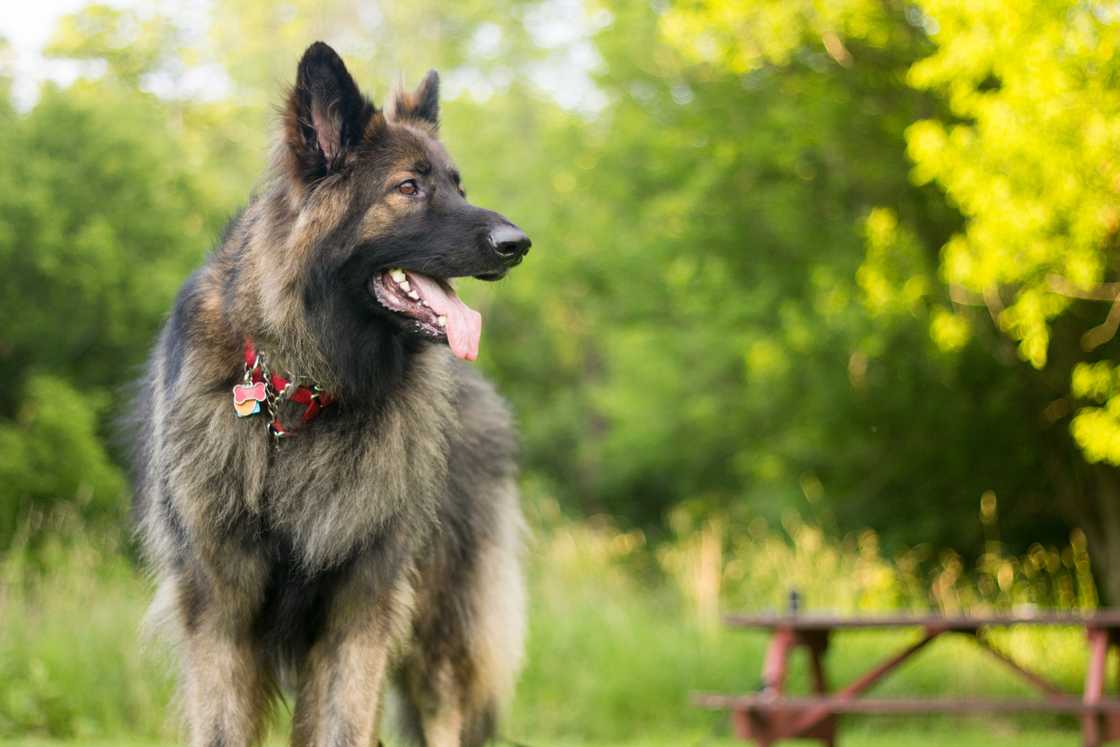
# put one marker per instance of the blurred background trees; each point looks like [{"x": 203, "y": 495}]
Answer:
[{"x": 852, "y": 261}]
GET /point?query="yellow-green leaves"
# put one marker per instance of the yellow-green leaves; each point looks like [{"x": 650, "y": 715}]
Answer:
[
  {"x": 1031, "y": 162},
  {"x": 893, "y": 276},
  {"x": 1032, "y": 166},
  {"x": 1096, "y": 428},
  {"x": 950, "y": 331},
  {"x": 1095, "y": 381},
  {"x": 131, "y": 45},
  {"x": 743, "y": 36}
]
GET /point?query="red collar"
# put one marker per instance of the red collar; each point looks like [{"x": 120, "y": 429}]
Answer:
[{"x": 264, "y": 386}]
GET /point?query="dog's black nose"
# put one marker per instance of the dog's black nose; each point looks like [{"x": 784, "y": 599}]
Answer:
[{"x": 509, "y": 242}]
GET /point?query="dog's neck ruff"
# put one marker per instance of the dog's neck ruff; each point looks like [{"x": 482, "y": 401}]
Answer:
[{"x": 262, "y": 385}]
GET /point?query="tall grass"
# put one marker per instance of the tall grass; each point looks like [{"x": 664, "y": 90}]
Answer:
[
  {"x": 619, "y": 632},
  {"x": 70, "y": 664},
  {"x": 615, "y": 648}
]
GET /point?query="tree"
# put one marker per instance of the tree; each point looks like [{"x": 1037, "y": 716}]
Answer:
[
  {"x": 735, "y": 301},
  {"x": 1028, "y": 155},
  {"x": 113, "y": 189},
  {"x": 763, "y": 291},
  {"x": 1021, "y": 139},
  {"x": 99, "y": 222}
]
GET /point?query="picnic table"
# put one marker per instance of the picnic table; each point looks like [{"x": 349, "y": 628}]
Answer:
[{"x": 770, "y": 714}]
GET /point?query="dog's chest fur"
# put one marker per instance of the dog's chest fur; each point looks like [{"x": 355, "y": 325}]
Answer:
[
  {"x": 352, "y": 475},
  {"x": 339, "y": 483}
]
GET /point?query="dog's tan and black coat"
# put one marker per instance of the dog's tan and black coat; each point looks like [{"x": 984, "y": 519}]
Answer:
[{"x": 375, "y": 550}]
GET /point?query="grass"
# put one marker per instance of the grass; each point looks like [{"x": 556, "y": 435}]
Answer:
[
  {"x": 615, "y": 646},
  {"x": 966, "y": 735},
  {"x": 976, "y": 736}
]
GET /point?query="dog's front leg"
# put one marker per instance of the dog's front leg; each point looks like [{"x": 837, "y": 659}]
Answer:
[
  {"x": 226, "y": 686},
  {"x": 343, "y": 677},
  {"x": 225, "y": 692},
  {"x": 337, "y": 704}
]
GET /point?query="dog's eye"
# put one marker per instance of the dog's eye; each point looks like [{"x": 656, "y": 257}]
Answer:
[{"x": 409, "y": 187}]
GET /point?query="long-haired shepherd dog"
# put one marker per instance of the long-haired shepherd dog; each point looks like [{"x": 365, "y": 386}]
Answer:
[{"x": 325, "y": 489}]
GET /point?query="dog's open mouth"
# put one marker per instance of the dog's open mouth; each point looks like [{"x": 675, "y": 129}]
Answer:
[{"x": 432, "y": 307}]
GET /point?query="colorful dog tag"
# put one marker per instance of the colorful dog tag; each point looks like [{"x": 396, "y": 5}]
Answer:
[
  {"x": 246, "y": 408},
  {"x": 247, "y": 398}
]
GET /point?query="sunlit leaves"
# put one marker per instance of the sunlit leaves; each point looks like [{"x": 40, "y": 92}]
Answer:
[
  {"x": 766, "y": 360},
  {"x": 1097, "y": 431},
  {"x": 949, "y": 331},
  {"x": 1032, "y": 164},
  {"x": 893, "y": 276},
  {"x": 1096, "y": 427},
  {"x": 744, "y": 36},
  {"x": 129, "y": 45},
  {"x": 832, "y": 383},
  {"x": 738, "y": 278}
]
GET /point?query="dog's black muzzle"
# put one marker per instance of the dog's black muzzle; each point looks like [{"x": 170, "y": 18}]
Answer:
[{"x": 508, "y": 244}]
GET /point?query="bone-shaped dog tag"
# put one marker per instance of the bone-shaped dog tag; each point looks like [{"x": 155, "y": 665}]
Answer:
[
  {"x": 247, "y": 408},
  {"x": 247, "y": 398}
]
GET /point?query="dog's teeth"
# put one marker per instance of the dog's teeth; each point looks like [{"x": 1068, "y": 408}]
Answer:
[
  {"x": 404, "y": 286},
  {"x": 414, "y": 295},
  {"x": 441, "y": 320},
  {"x": 396, "y": 275}
]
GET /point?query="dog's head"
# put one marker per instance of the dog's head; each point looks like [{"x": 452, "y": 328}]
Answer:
[{"x": 389, "y": 217}]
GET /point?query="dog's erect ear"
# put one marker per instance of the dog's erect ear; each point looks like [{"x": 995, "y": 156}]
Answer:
[
  {"x": 326, "y": 113},
  {"x": 423, "y": 103}
]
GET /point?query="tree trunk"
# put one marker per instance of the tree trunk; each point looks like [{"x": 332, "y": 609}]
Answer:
[{"x": 1100, "y": 520}]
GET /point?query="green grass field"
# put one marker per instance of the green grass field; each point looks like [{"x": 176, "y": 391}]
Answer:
[
  {"x": 857, "y": 735},
  {"x": 613, "y": 653}
]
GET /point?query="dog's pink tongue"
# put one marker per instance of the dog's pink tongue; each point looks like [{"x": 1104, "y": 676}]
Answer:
[{"x": 464, "y": 324}]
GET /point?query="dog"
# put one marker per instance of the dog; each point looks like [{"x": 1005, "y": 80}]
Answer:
[{"x": 325, "y": 489}]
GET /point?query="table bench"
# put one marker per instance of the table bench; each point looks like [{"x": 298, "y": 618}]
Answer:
[{"x": 770, "y": 715}]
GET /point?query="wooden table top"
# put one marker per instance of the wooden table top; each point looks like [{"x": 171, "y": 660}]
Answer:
[{"x": 819, "y": 621}]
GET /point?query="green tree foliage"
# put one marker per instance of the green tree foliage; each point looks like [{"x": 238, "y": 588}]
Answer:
[
  {"x": 1021, "y": 140},
  {"x": 99, "y": 222},
  {"x": 51, "y": 453},
  {"x": 846, "y": 259},
  {"x": 1028, "y": 155},
  {"x": 749, "y": 352},
  {"x": 130, "y": 46}
]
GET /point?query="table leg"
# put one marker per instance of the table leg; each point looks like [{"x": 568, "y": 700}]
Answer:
[
  {"x": 760, "y": 725},
  {"x": 747, "y": 724},
  {"x": 818, "y": 645},
  {"x": 1094, "y": 685},
  {"x": 771, "y": 725},
  {"x": 1110, "y": 720},
  {"x": 777, "y": 661},
  {"x": 813, "y": 716}
]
